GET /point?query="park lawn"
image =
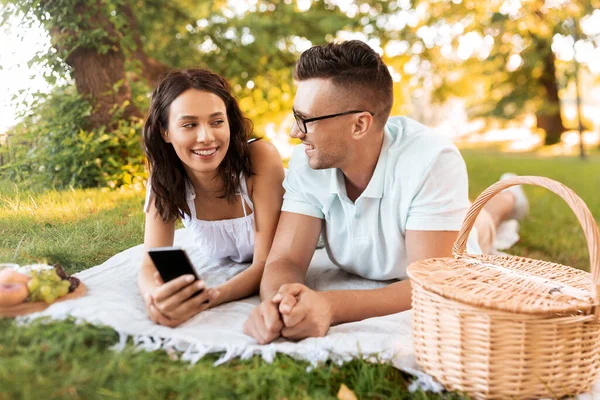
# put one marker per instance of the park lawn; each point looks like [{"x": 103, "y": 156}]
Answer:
[{"x": 82, "y": 228}]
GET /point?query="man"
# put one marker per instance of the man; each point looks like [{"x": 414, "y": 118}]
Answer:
[{"x": 384, "y": 191}]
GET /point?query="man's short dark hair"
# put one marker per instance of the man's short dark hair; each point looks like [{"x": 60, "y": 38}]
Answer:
[{"x": 354, "y": 67}]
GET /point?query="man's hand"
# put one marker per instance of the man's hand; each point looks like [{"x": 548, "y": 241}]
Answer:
[
  {"x": 305, "y": 312},
  {"x": 172, "y": 303},
  {"x": 264, "y": 323}
]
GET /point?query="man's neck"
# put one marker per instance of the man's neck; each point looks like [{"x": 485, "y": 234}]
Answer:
[{"x": 359, "y": 171}]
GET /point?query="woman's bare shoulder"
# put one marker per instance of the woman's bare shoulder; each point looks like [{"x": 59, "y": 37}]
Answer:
[
  {"x": 264, "y": 156},
  {"x": 267, "y": 166}
]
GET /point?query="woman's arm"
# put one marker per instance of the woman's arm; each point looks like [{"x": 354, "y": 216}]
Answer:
[
  {"x": 157, "y": 233},
  {"x": 267, "y": 196}
]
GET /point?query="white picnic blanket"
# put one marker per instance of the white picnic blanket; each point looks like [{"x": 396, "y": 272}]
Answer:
[{"x": 112, "y": 299}]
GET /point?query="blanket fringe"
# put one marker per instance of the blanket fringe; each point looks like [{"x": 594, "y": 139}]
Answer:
[{"x": 193, "y": 352}]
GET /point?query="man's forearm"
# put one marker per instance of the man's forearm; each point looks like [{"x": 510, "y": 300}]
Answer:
[
  {"x": 356, "y": 305},
  {"x": 277, "y": 273}
]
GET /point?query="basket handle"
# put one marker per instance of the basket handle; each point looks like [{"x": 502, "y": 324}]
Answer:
[{"x": 584, "y": 216}]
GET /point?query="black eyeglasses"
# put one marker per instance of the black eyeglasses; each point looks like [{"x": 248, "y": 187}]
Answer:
[{"x": 303, "y": 121}]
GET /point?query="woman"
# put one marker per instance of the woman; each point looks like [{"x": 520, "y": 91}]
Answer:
[{"x": 226, "y": 189}]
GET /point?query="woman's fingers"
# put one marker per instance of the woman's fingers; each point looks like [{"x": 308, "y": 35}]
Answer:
[
  {"x": 158, "y": 279},
  {"x": 192, "y": 305},
  {"x": 161, "y": 319},
  {"x": 202, "y": 301},
  {"x": 180, "y": 306},
  {"x": 148, "y": 302},
  {"x": 177, "y": 299},
  {"x": 166, "y": 290},
  {"x": 156, "y": 316}
]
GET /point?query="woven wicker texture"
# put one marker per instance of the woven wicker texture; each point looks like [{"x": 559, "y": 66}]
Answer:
[
  {"x": 509, "y": 284},
  {"x": 509, "y": 327}
]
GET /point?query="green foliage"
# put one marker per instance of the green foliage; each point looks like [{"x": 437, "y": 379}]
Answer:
[
  {"x": 258, "y": 47},
  {"x": 256, "y": 51},
  {"x": 251, "y": 46},
  {"x": 83, "y": 228},
  {"x": 73, "y": 23},
  {"x": 53, "y": 148},
  {"x": 522, "y": 30}
]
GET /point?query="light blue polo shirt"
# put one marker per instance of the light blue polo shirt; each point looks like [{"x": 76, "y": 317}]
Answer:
[{"x": 420, "y": 183}]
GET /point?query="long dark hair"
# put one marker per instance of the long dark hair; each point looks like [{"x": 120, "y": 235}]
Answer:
[{"x": 167, "y": 175}]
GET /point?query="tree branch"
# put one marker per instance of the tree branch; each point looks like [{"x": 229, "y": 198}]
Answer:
[{"x": 152, "y": 69}]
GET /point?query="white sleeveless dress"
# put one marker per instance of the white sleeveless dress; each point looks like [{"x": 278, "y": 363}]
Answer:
[{"x": 227, "y": 238}]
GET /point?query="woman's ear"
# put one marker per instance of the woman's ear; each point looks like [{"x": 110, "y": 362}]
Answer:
[{"x": 165, "y": 136}]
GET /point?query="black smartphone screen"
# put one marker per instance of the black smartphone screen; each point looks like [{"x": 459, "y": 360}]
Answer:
[{"x": 171, "y": 263}]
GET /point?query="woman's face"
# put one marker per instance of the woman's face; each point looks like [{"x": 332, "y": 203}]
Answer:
[{"x": 198, "y": 130}]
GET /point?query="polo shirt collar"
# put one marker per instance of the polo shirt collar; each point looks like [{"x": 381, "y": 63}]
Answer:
[
  {"x": 336, "y": 182},
  {"x": 374, "y": 189}
]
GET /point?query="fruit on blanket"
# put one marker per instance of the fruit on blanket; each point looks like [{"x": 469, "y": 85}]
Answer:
[
  {"x": 47, "y": 285},
  {"x": 63, "y": 275},
  {"x": 41, "y": 282},
  {"x": 26, "y": 269},
  {"x": 8, "y": 265},
  {"x": 12, "y": 294},
  {"x": 9, "y": 275}
]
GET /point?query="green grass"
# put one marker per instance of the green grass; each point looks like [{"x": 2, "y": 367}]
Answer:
[
  {"x": 81, "y": 229},
  {"x": 57, "y": 361},
  {"x": 551, "y": 231},
  {"x": 78, "y": 228}
]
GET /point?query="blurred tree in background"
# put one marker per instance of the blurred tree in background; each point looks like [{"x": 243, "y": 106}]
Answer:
[
  {"x": 496, "y": 54},
  {"x": 114, "y": 50},
  {"x": 499, "y": 54},
  {"x": 106, "y": 45}
]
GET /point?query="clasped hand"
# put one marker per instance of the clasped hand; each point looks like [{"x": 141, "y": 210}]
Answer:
[{"x": 295, "y": 312}]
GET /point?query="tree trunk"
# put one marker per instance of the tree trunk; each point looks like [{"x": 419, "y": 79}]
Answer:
[
  {"x": 549, "y": 118},
  {"x": 99, "y": 77},
  {"x": 552, "y": 124}
]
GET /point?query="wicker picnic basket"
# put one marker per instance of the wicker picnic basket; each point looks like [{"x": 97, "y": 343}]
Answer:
[{"x": 500, "y": 327}]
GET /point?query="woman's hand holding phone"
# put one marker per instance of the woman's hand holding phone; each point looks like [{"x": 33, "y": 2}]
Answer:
[{"x": 176, "y": 301}]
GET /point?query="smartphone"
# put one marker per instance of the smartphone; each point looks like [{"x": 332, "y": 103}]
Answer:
[{"x": 171, "y": 263}]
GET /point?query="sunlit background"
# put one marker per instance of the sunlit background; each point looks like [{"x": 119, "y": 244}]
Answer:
[{"x": 415, "y": 72}]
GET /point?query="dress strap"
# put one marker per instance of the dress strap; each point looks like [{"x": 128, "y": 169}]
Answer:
[
  {"x": 243, "y": 204},
  {"x": 245, "y": 199},
  {"x": 244, "y": 193}
]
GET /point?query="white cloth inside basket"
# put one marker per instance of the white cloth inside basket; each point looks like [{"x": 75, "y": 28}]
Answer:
[{"x": 112, "y": 299}]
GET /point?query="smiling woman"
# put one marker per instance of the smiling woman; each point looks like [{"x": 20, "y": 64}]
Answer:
[
  {"x": 204, "y": 170},
  {"x": 183, "y": 113},
  {"x": 199, "y": 133}
]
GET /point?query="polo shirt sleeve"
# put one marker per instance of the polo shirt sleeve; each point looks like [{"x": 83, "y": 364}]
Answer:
[
  {"x": 297, "y": 198},
  {"x": 442, "y": 198}
]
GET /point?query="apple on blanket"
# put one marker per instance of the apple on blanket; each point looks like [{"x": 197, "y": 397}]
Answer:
[{"x": 38, "y": 282}]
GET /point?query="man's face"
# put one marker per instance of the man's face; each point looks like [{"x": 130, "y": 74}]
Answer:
[{"x": 327, "y": 141}]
